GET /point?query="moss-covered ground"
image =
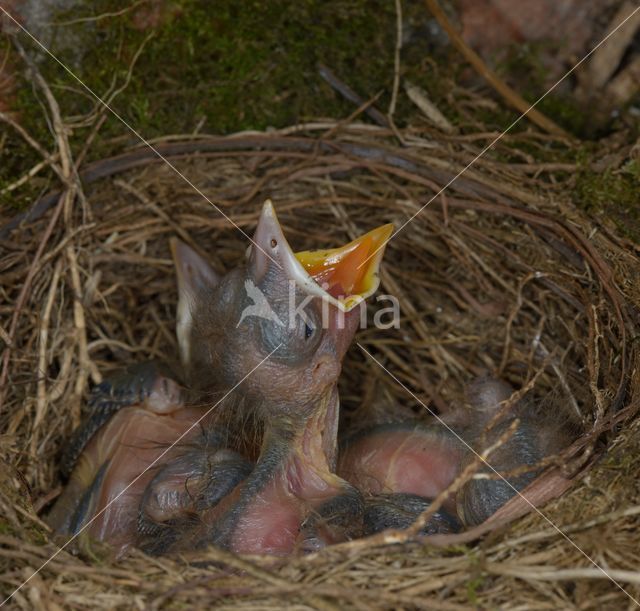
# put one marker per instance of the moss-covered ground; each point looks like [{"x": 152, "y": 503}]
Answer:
[{"x": 225, "y": 66}]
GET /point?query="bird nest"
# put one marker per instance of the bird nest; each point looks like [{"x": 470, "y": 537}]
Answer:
[{"x": 497, "y": 274}]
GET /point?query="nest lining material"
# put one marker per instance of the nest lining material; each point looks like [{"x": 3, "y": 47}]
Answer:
[{"x": 498, "y": 274}]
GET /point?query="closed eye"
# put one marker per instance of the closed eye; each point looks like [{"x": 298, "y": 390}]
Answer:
[{"x": 308, "y": 331}]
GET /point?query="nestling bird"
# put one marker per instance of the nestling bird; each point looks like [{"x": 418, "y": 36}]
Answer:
[
  {"x": 400, "y": 468},
  {"x": 292, "y": 499},
  {"x": 134, "y": 418},
  {"x": 281, "y": 366}
]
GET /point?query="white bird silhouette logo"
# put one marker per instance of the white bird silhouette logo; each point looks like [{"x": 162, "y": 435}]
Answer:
[{"x": 260, "y": 306}]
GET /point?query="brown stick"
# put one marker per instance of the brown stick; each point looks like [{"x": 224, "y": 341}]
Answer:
[
  {"x": 42, "y": 349},
  {"x": 512, "y": 98},
  {"x": 346, "y": 92}
]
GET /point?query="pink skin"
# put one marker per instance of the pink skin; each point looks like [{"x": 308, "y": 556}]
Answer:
[
  {"x": 424, "y": 460},
  {"x": 295, "y": 479},
  {"x": 414, "y": 462},
  {"x": 270, "y": 526},
  {"x": 272, "y": 523},
  {"x": 302, "y": 483},
  {"x": 133, "y": 439}
]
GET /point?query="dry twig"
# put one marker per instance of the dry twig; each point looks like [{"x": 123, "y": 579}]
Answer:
[{"x": 510, "y": 96}]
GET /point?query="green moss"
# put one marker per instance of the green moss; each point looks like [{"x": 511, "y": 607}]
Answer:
[
  {"x": 615, "y": 192},
  {"x": 232, "y": 65},
  {"x": 473, "y": 586},
  {"x": 5, "y": 528},
  {"x": 248, "y": 65},
  {"x": 566, "y": 112},
  {"x": 524, "y": 69}
]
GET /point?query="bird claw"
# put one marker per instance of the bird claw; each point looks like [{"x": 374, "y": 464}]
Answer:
[{"x": 183, "y": 489}]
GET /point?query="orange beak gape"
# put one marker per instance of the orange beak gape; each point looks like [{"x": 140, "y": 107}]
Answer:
[{"x": 349, "y": 273}]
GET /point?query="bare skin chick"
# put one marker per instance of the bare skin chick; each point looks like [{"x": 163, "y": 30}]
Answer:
[
  {"x": 400, "y": 468},
  {"x": 135, "y": 417}
]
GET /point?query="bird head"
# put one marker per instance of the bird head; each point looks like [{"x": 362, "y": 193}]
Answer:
[{"x": 296, "y": 311}]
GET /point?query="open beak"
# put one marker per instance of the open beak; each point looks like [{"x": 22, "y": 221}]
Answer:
[
  {"x": 349, "y": 273},
  {"x": 343, "y": 276}
]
